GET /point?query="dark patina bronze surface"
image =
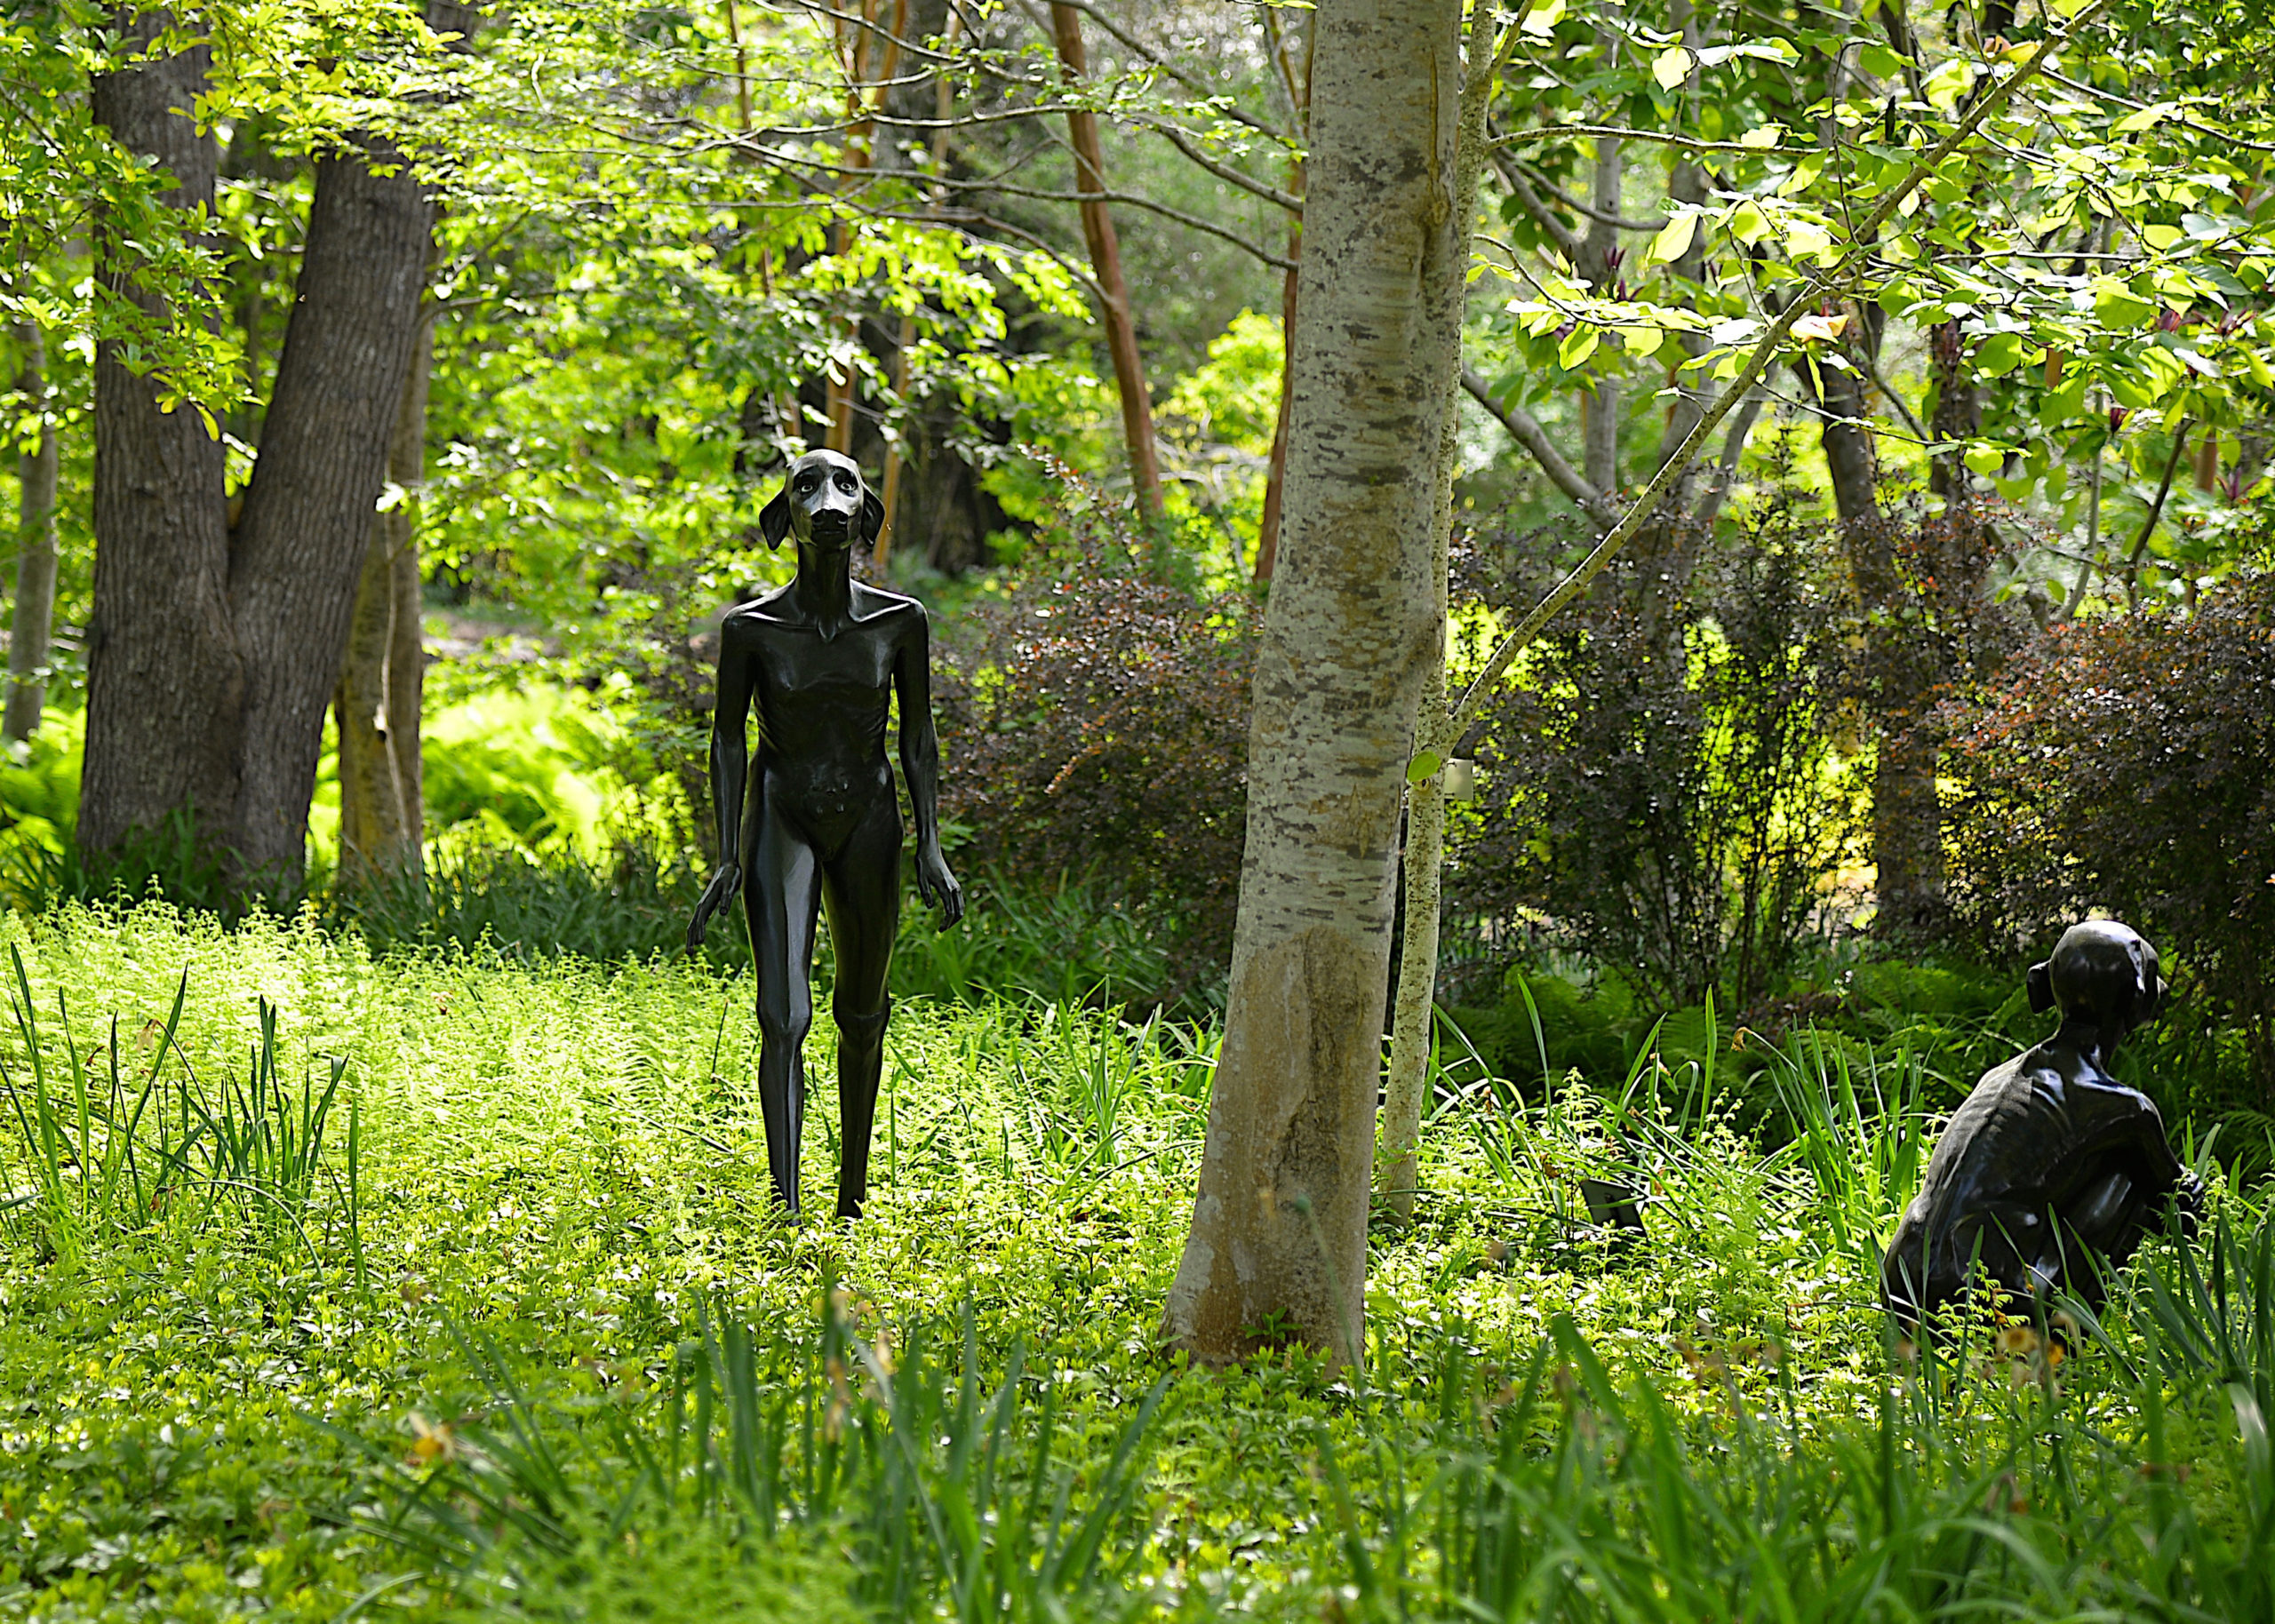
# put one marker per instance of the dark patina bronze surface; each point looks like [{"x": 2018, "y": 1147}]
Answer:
[
  {"x": 2051, "y": 1172},
  {"x": 809, "y": 818}
]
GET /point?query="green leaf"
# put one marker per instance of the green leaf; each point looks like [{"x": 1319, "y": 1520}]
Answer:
[
  {"x": 1985, "y": 458},
  {"x": 2116, "y": 305},
  {"x": 1424, "y": 767},
  {"x": 1671, "y": 67},
  {"x": 1542, "y": 19},
  {"x": 1673, "y": 239},
  {"x": 2147, "y": 119},
  {"x": 1578, "y": 345},
  {"x": 1998, "y": 354}
]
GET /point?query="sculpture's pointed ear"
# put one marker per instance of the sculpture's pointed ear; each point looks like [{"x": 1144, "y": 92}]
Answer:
[
  {"x": 2041, "y": 987},
  {"x": 774, "y": 518},
  {"x": 873, "y": 513},
  {"x": 2152, "y": 988}
]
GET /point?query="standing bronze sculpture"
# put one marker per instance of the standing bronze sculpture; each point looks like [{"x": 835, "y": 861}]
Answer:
[
  {"x": 810, "y": 821},
  {"x": 2052, "y": 1170}
]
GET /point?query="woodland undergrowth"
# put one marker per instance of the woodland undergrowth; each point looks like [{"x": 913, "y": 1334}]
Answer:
[{"x": 430, "y": 1285}]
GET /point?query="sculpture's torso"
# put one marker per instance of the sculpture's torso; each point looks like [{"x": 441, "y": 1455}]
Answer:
[
  {"x": 2048, "y": 1152},
  {"x": 823, "y": 702}
]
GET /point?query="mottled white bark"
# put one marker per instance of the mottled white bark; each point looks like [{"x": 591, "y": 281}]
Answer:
[
  {"x": 1413, "y": 1023},
  {"x": 1277, "y": 1250}
]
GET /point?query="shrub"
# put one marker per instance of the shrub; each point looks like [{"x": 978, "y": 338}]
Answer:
[
  {"x": 1660, "y": 783},
  {"x": 2128, "y": 764},
  {"x": 1095, "y": 724}
]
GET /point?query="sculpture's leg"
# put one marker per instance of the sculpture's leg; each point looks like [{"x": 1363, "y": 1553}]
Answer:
[
  {"x": 861, "y": 888},
  {"x": 781, "y": 891},
  {"x": 860, "y": 1067}
]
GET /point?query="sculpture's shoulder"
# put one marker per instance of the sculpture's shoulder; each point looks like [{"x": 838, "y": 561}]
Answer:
[
  {"x": 2093, "y": 1097},
  {"x": 891, "y": 611},
  {"x": 756, "y": 617},
  {"x": 1997, "y": 1123}
]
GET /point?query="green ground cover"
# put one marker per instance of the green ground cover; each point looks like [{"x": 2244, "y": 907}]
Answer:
[{"x": 502, "y": 1325}]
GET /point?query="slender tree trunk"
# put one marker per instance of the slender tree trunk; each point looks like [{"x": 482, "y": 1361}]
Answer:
[
  {"x": 1106, "y": 266},
  {"x": 1275, "y": 476},
  {"x": 1279, "y": 1240},
  {"x": 1600, "y": 269},
  {"x": 382, "y": 680},
  {"x": 165, "y": 680},
  {"x": 38, "y": 484},
  {"x": 1414, "y": 1011},
  {"x": 943, "y": 105}
]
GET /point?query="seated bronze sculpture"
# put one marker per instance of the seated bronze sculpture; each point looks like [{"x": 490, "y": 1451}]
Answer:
[
  {"x": 2051, "y": 1172},
  {"x": 810, "y": 821}
]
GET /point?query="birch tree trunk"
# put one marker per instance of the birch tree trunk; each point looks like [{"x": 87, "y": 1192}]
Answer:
[
  {"x": 38, "y": 482},
  {"x": 382, "y": 680},
  {"x": 1277, "y": 1251},
  {"x": 1413, "y": 1017}
]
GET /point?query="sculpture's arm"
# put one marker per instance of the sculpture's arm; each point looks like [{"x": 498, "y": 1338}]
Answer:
[
  {"x": 920, "y": 763},
  {"x": 730, "y": 771}
]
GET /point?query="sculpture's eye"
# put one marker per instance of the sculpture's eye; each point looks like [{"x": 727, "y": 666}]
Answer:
[
  {"x": 844, "y": 481},
  {"x": 805, "y": 481}
]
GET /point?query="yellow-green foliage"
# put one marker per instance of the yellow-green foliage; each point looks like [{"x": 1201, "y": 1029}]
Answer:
[{"x": 564, "y": 1164}]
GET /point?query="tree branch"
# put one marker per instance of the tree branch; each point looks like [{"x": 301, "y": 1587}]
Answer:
[
  {"x": 1567, "y": 241},
  {"x": 1526, "y": 430},
  {"x": 1184, "y": 143}
]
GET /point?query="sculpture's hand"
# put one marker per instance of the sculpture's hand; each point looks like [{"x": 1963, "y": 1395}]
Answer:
[
  {"x": 716, "y": 896},
  {"x": 937, "y": 886}
]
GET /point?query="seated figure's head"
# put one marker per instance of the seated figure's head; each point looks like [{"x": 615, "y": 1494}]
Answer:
[{"x": 2102, "y": 973}]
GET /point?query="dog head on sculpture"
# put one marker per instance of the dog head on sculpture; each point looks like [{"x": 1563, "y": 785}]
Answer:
[
  {"x": 823, "y": 501},
  {"x": 2103, "y": 972}
]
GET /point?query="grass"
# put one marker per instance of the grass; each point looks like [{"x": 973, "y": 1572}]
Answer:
[{"x": 536, "y": 1347}]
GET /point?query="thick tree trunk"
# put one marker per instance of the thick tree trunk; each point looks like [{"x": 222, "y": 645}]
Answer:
[
  {"x": 382, "y": 680},
  {"x": 38, "y": 480},
  {"x": 1106, "y": 266},
  {"x": 165, "y": 681},
  {"x": 299, "y": 549},
  {"x": 1279, "y": 1240},
  {"x": 214, "y": 653}
]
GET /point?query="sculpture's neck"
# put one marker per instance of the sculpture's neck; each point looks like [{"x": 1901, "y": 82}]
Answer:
[
  {"x": 825, "y": 581},
  {"x": 2090, "y": 1038}
]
